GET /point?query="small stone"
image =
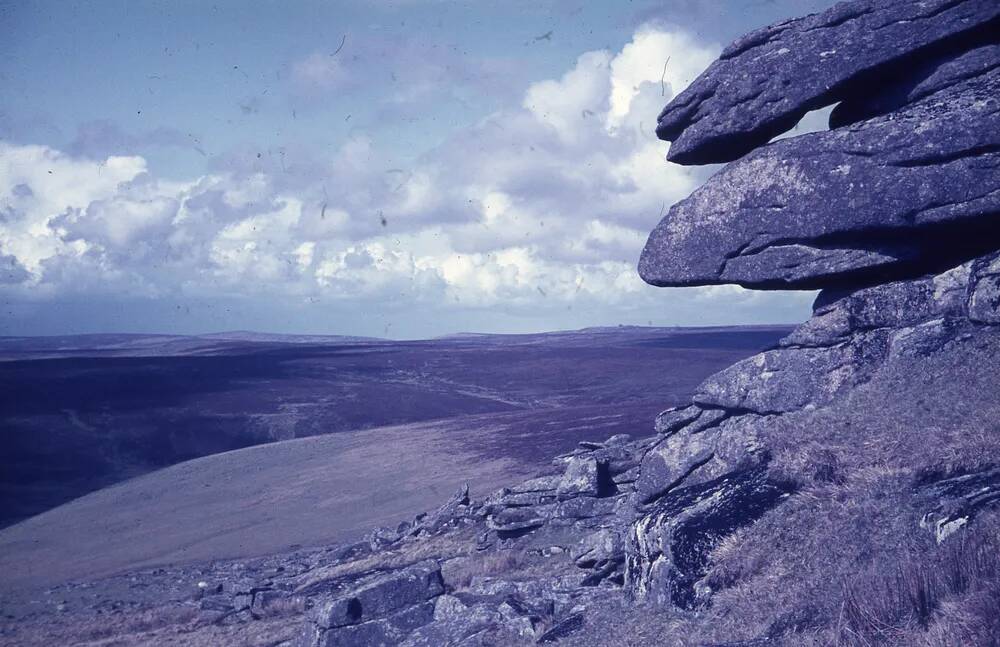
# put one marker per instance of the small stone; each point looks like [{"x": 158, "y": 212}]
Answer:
[
  {"x": 675, "y": 418},
  {"x": 580, "y": 479}
]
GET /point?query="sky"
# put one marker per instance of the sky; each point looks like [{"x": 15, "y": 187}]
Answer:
[{"x": 389, "y": 168}]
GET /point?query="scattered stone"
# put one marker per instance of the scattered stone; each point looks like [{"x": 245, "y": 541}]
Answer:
[
  {"x": 565, "y": 627},
  {"x": 381, "y": 538},
  {"x": 583, "y": 477}
]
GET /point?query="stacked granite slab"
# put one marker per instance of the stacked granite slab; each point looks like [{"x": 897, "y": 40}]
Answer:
[{"x": 894, "y": 213}]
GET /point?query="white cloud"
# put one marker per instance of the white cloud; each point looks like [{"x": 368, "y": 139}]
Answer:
[
  {"x": 121, "y": 221},
  {"x": 670, "y": 60},
  {"x": 38, "y": 184},
  {"x": 545, "y": 205},
  {"x": 582, "y": 90}
]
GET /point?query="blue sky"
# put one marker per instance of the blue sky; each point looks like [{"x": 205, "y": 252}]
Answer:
[{"x": 406, "y": 169}]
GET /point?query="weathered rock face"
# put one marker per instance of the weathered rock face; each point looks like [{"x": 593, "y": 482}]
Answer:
[
  {"x": 668, "y": 547},
  {"x": 912, "y": 192},
  {"x": 905, "y": 337},
  {"x": 379, "y": 610},
  {"x": 766, "y": 81},
  {"x": 984, "y": 290},
  {"x": 934, "y": 75},
  {"x": 895, "y": 214},
  {"x": 956, "y": 499}
]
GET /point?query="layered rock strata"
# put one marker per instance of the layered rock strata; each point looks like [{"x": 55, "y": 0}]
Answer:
[{"x": 894, "y": 213}]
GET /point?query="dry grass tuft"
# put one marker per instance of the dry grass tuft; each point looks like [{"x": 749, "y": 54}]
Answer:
[
  {"x": 460, "y": 572},
  {"x": 115, "y": 624},
  {"x": 950, "y": 599},
  {"x": 440, "y": 547}
]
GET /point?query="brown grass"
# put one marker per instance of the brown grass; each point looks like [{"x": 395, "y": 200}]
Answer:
[
  {"x": 956, "y": 592},
  {"x": 460, "y": 572},
  {"x": 143, "y": 621},
  {"x": 445, "y": 546}
]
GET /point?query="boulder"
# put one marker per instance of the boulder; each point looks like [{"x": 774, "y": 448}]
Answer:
[
  {"x": 272, "y": 603},
  {"x": 667, "y": 549},
  {"x": 585, "y": 507},
  {"x": 789, "y": 379},
  {"x": 453, "y": 621},
  {"x": 514, "y": 522},
  {"x": 539, "y": 484},
  {"x": 628, "y": 476},
  {"x": 519, "y": 617},
  {"x": 391, "y": 630},
  {"x": 939, "y": 74},
  {"x": 583, "y": 477},
  {"x": 612, "y": 461},
  {"x": 216, "y": 603},
  {"x": 381, "y": 595},
  {"x": 764, "y": 82},
  {"x": 675, "y": 419},
  {"x": 446, "y": 514},
  {"x": 618, "y": 440},
  {"x": 505, "y": 498},
  {"x": 671, "y": 461},
  {"x": 897, "y": 197},
  {"x": 838, "y": 314},
  {"x": 565, "y": 627},
  {"x": 605, "y": 545},
  {"x": 692, "y": 457},
  {"x": 383, "y": 537}
]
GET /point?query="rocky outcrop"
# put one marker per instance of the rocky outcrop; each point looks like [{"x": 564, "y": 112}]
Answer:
[
  {"x": 912, "y": 192},
  {"x": 894, "y": 214},
  {"x": 937, "y": 74},
  {"x": 956, "y": 499},
  {"x": 766, "y": 81},
  {"x": 669, "y": 546},
  {"x": 380, "y": 609}
]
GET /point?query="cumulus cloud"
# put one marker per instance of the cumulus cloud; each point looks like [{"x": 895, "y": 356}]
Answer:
[{"x": 541, "y": 206}]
